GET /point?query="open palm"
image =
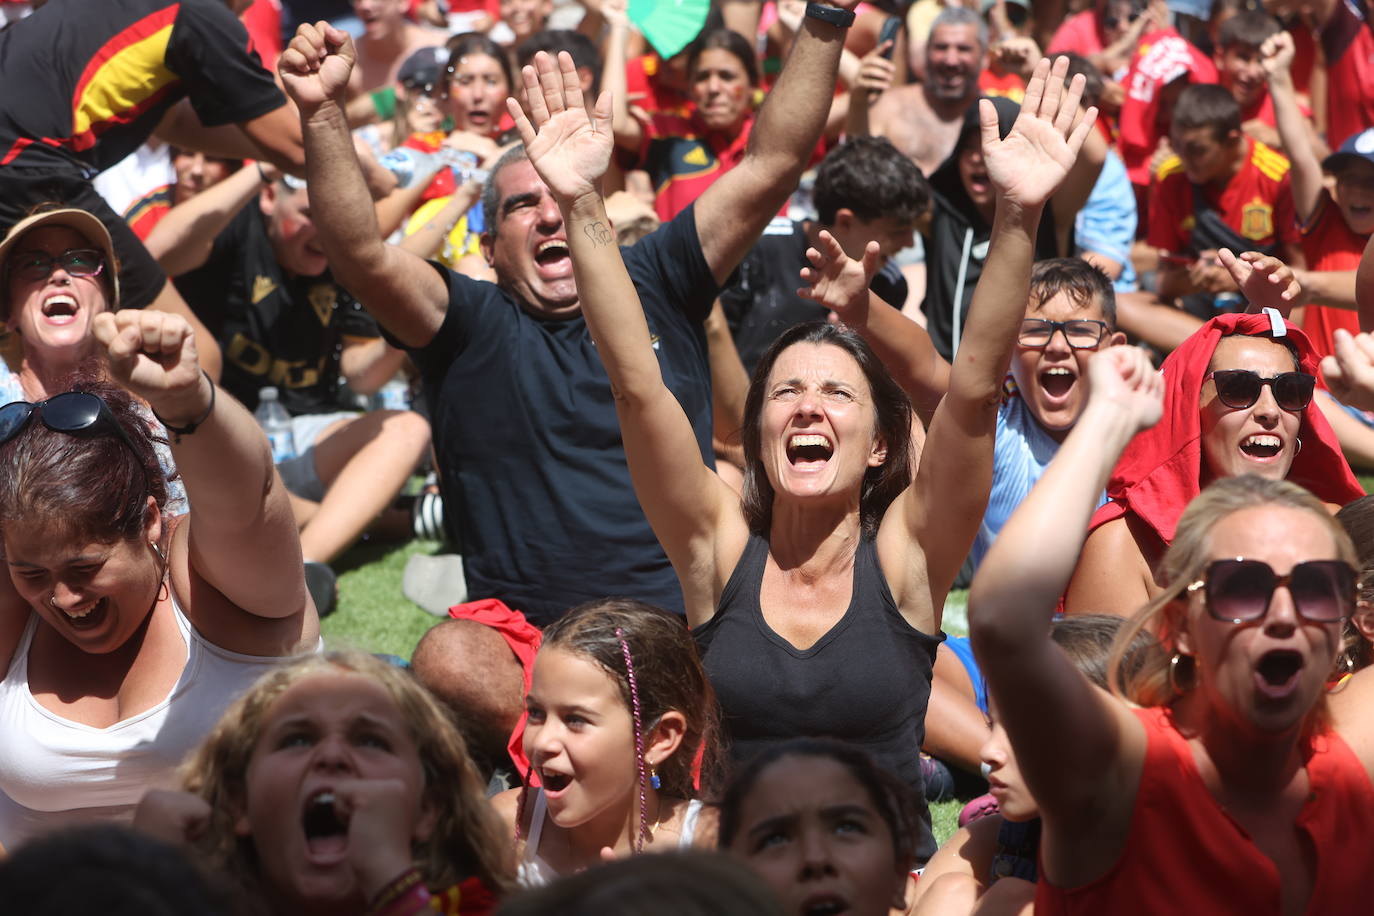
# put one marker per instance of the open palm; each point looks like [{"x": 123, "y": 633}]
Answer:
[
  {"x": 1032, "y": 161},
  {"x": 569, "y": 150}
]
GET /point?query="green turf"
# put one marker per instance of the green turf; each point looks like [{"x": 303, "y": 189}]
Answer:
[{"x": 372, "y": 614}]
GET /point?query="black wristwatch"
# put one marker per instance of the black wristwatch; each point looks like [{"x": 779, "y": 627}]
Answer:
[{"x": 841, "y": 19}]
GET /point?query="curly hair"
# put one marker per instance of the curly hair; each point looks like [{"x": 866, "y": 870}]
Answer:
[{"x": 467, "y": 840}]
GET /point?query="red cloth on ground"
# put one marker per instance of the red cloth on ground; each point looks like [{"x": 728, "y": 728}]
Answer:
[
  {"x": 523, "y": 638},
  {"x": 1329, "y": 244},
  {"x": 1185, "y": 854},
  {"x": 1161, "y": 470},
  {"x": 1163, "y": 57}
]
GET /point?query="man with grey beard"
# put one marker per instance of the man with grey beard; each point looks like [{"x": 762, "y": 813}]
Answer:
[{"x": 923, "y": 120}]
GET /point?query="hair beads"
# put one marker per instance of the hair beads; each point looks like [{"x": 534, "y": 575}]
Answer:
[{"x": 644, "y": 835}]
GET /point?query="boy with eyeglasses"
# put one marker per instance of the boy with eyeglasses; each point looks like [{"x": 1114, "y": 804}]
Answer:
[{"x": 1070, "y": 315}]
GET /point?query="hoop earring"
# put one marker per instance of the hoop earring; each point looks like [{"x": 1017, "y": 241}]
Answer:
[
  {"x": 1174, "y": 685},
  {"x": 1297, "y": 449},
  {"x": 157, "y": 549}
]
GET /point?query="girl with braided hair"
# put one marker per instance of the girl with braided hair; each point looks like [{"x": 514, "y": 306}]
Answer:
[{"x": 619, "y": 711}]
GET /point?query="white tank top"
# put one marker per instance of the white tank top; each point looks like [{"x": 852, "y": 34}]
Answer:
[
  {"x": 535, "y": 872},
  {"x": 54, "y": 771}
]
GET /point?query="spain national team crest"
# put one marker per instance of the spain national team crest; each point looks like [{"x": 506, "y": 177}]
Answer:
[
  {"x": 1257, "y": 221},
  {"x": 322, "y": 297}
]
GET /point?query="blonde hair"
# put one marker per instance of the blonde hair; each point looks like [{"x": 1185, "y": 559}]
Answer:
[
  {"x": 1184, "y": 563},
  {"x": 467, "y": 840}
]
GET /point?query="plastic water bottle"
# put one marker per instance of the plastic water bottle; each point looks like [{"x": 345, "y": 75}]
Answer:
[
  {"x": 412, "y": 166},
  {"x": 394, "y": 395},
  {"x": 276, "y": 423}
]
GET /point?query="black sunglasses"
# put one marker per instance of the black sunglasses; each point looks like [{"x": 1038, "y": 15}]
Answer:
[
  {"x": 1081, "y": 333},
  {"x": 1240, "y": 590},
  {"x": 38, "y": 265},
  {"x": 1240, "y": 388},
  {"x": 76, "y": 413}
]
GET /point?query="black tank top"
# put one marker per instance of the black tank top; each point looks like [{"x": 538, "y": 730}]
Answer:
[{"x": 866, "y": 681}]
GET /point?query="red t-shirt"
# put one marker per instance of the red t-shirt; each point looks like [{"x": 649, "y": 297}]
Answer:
[
  {"x": 644, "y": 90},
  {"x": 1329, "y": 244},
  {"x": 1077, "y": 35},
  {"x": 993, "y": 82},
  {"x": 1185, "y": 854},
  {"x": 1348, "y": 46},
  {"x": 1257, "y": 202},
  {"x": 1163, "y": 56}
]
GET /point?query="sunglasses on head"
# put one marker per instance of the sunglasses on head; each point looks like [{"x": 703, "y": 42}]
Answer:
[
  {"x": 38, "y": 265},
  {"x": 76, "y": 413},
  {"x": 1240, "y": 388},
  {"x": 1240, "y": 590}
]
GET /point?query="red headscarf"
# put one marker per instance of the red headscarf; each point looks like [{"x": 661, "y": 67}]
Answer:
[{"x": 1161, "y": 470}]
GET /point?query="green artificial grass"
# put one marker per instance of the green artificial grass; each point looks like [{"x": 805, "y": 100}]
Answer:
[{"x": 372, "y": 614}]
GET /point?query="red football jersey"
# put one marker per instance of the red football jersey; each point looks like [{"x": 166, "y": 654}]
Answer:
[
  {"x": 1329, "y": 244},
  {"x": 1257, "y": 202}
]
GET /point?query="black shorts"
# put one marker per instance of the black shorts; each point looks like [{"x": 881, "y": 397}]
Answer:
[{"x": 23, "y": 189}]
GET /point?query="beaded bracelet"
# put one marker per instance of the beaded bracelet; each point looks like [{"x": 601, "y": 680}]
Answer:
[{"x": 403, "y": 895}]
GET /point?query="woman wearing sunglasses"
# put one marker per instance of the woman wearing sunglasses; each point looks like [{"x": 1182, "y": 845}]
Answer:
[
  {"x": 57, "y": 272},
  {"x": 1222, "y": 789},
  {"x": 1236, "y": 397},
  {"x": 124, "y": 632}
]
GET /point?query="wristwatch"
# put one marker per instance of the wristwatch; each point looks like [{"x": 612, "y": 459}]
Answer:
[{"x": 841, "y": 19}]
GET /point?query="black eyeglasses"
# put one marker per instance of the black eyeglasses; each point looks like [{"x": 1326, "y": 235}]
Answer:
[
  {"x": 1081, "y": 333},
  {"x": 76, "y": 413},
  {"x": 1240, "y": 590},
  {"x": 1240, "y": 388},
  {"x": 38, "y": 265}
]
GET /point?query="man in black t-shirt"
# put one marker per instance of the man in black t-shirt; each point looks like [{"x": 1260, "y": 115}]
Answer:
[
  {"x": 84, "y": 84},
  {"x": 865, "y": 191},
  {"x": 526, "y": 435},
  {"x": 265, "y": 292}
]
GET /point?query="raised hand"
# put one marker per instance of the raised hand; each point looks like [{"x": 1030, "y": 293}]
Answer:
[
  {"x": 569, "y": 150},
  {"x": 1034, "y": 159},
  {"x": 383, "y": 826},
  {"x": 1123, "y": 379},
  {"x": 176, "y": 818},
  {"x": 1265, "y": 281},
  {"x": 315, "y": 66},
  {"x": 1276, "y": 54},
  {"x": 839, "y": 282},
  {"x": 1349, "y": 373},
  {"x": 876, "y": 71},
  {"x": 153, "y": 354}
]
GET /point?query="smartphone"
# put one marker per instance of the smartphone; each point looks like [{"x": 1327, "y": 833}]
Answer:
[{"x": 891, "y": 26}]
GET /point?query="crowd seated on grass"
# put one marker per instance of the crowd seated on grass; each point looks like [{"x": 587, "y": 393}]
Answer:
[{"x": 839, "y": 493}]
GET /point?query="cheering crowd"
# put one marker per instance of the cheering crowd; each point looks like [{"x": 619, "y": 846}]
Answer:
[{"x": 731, "y": 340}]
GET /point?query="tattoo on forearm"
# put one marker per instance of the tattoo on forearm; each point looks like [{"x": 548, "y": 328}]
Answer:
[{"x": 599, "y": 233}]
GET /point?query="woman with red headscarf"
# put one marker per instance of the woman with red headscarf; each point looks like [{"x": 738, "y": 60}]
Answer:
[{"x": 1235, "y": 402}]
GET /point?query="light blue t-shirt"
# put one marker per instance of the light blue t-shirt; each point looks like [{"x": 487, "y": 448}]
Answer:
[
  {"x": 1020, "y": 457},
  {"x": 1106, "y": 224}
]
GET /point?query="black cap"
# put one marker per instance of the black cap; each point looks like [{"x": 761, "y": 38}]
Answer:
[{"x": 424, "y": 68}]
